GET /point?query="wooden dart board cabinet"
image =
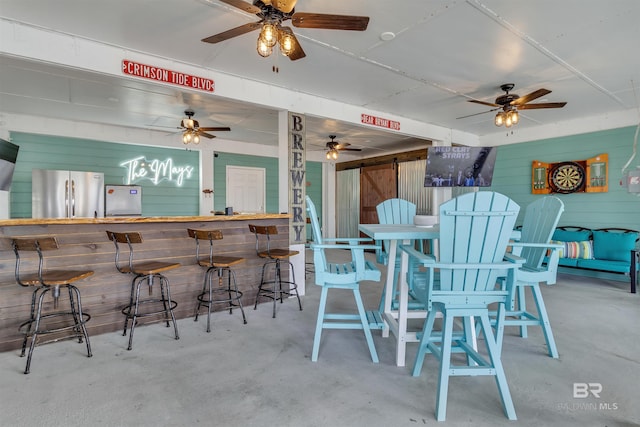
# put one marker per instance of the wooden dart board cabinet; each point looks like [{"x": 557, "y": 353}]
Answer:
[{"x": 574, "y": 176}]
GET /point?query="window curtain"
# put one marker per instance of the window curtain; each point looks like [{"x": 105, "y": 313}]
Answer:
[
  {"x": 411, "y": 185},
  {"x": 347, "y": 203}
]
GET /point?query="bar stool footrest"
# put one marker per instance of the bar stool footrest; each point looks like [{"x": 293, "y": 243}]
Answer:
[
  {"x": 290, "y": 290},
  {"x": 203, "y": 298},
  {"x": 129, "y": 313},
  {"x": 85, "y": 318}
]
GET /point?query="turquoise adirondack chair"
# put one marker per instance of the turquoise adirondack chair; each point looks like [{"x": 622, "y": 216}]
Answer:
[
  {"x": 540, "y": 220},
  {"x": 393, "y": 211},
  {"x": 474, "y": 233},
  {"x": 396, "y": 211},
  {"x": 343, "y": 275}
]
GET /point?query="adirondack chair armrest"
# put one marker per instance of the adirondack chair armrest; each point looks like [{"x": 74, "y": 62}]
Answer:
[
  {"x": 550, "y": 268},
  {"x": 341, "y": 246},
  {"x": 501, "y": 265},
  {"x": 514, "y": 259},
  {"x": 348, "y": 240},
  {"x": 422, "y": 258},
  {"x": 536, "y": 245}
]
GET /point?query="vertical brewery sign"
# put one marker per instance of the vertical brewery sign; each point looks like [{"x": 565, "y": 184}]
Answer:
[{"x": 297, "y": 161}]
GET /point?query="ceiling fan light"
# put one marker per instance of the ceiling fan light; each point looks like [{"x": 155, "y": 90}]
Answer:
[
  {"x": 499, "y": 120},
  {"x": 196, "y": 138},
  {"x": 264, "y": 50},
  {"x": 334, "y": 154},
  {"x": 286, "y": 44},
  {"x": 269, "y": 34},
  {"x": 515, "y": 117},
  {"x": 186, "y": 137},
  {"x": 507, "y": 121}
]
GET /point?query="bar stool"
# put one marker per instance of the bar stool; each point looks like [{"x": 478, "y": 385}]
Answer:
[
  {"x": 216, "y": 265},
  {"x": 144, "y": 272},
  {"x": 275, "y": 258},
  {"x": 46, "y": 281}
]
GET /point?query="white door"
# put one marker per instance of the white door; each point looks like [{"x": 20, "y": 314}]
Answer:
[{"x": 246, "y": 189}]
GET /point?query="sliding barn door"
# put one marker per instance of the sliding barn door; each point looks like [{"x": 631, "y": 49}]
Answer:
[{"x": 377, "y": 184}]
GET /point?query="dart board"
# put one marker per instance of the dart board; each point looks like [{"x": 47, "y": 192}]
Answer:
[{"x": 566, "y": 177}]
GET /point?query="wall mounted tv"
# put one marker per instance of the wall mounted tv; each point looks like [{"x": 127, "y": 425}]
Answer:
[
  {"x": 8, "y": 156},
  {"x": 460, "y": 166}
]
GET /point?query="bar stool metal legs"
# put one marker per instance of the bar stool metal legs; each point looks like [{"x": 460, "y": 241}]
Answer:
[
  {"x": 216, "y": 265},
  {"x": 274, "y": 257},
  {"x": 229, "y": 294},
  {"x": 33, "y": 327},
  {"x": 276, "y": 290},
  {"x": 132, "y": 310}
]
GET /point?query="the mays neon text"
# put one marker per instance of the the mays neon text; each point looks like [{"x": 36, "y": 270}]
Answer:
[{"x": 156, "y": 171}]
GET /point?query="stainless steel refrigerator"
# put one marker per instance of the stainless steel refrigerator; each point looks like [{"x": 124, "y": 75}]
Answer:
[{"x": 67, "y": 194}]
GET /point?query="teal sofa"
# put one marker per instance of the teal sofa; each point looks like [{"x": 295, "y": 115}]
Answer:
[{"x": 608, "y": 253}]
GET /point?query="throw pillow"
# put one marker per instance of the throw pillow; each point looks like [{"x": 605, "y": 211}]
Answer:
[
  {"x": 571, "y": 236},
  {"x": 582, "y": 249},
  {"x": 613, "y": 246}
]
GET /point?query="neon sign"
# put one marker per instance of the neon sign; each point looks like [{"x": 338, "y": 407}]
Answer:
[{"x": 140, "y": 168}]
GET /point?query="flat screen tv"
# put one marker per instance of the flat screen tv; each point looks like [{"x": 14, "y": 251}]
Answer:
[
  {"x": 8, "y": 157},
  {"x": 460, "y": 166}
]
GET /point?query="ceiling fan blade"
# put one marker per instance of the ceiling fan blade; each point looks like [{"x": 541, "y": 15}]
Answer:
[
  {"x": 542, "y": 105},
  {"x": 490, "y": 104},
  {"x": 285, "y": 6},
  {"x": 206, "y": 135},
  {"x": 297, "y": 52},
  {"x": 330, "y": 22},
  {"x": 238, "y": 31},
  {"x": 215, "y": 129},
  {"x": 349, "y": 149},
  {"x": 476, "y": 114},
  {"x": 243, "y": 5},
  {"x": 530, "y": 97}
]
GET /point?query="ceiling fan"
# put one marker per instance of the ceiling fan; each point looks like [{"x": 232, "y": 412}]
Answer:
[
  {"x": 273, "y": 13},
  {"x": 510, "y": 103},
  {"x": 193, "y": 131},
  {"x": 334, "y": 146}
]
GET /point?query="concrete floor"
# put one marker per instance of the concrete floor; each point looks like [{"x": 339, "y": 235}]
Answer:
[{"x": 260, "y": 374}]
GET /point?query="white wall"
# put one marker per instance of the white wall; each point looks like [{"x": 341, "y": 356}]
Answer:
[{"x": 4, "y": 204}]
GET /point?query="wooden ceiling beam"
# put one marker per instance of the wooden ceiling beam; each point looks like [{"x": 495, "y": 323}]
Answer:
[{"x": 382, "y": 160}]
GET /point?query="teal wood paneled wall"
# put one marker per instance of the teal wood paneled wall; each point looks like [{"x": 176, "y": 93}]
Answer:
[
  {"x": 314, "y": 189},
  {"x": 63, "y": 153},
  {"x": 313, "y": 175},
  {"x": 616, "y": 208}
]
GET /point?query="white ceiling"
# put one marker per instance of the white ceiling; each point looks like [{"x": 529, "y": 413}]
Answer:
[{"x": 444, "y": 53}]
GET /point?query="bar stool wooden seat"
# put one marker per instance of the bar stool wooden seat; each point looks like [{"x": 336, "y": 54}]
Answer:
[
  {"x": 144, "y": 272},
  {"x": 63, "y": 323},
  {"x": 275, "y": 258},
  {"x": 216, "y": 265}
]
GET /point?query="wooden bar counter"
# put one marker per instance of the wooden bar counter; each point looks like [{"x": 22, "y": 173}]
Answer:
[{"x": 84, "y": 245}]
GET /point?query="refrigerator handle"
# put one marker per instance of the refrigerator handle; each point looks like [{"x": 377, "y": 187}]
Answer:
[
  {"x": 66, "y": 197},
  {"x": 73, "y": 198}
]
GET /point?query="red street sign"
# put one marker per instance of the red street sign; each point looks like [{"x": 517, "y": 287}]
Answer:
[
  {"x": 167, "y": 76},
  {"x": 379, "y": 121}
]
